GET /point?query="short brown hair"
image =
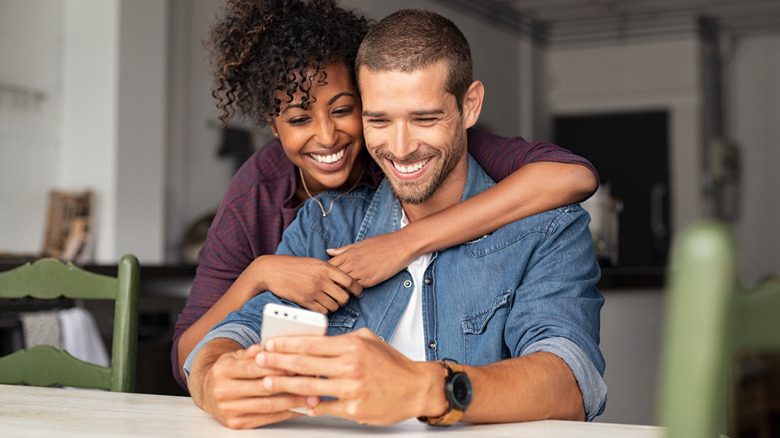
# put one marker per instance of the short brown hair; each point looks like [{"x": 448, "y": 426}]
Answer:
[{"x": 413, "y": 39}]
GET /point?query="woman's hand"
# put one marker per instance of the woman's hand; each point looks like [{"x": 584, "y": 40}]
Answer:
[
  {"x": 311, "y": 283},
  {"x": 374, "y": 260}
]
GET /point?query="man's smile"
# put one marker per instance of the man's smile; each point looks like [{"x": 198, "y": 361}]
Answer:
[{"x": 409, "y": 168}]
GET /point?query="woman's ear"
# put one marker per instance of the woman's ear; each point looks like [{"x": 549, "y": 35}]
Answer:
[
  {"x": 272, "y": 127},
  {"x": 472, "y": 103}
]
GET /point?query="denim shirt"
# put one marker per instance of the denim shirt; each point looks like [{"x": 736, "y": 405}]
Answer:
[{"x": 529, "y": 286}]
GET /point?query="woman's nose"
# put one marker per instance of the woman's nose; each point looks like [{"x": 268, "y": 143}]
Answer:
[{"x": 326, "y": 133}]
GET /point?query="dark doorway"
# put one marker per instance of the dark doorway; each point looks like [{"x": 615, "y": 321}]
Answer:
[{"x": 631, "y": 152}]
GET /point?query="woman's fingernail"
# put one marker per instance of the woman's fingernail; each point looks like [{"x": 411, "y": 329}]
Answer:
[{"x": 260, "y": 359}]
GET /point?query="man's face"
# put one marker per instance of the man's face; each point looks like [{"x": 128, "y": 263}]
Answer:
[{"x": 413, "y": 129}]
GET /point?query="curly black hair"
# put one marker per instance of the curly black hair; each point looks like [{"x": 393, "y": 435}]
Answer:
[{"x": 262, "y": 46}]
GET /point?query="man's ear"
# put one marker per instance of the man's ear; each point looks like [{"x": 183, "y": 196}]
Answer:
[{"x": 472, "y": 103}]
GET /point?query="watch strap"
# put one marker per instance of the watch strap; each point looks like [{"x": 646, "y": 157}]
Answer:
[{"x": 452, "y": 415}]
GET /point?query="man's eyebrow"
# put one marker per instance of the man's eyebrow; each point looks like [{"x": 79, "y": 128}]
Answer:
[
  {"x": 414, "y": 113},
  {"x": 373, "y": 114},
  {"x": 428, "y": 112}
]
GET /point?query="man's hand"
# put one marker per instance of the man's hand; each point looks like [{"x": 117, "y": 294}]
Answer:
[
  {"x": 374, "y": 260},
  {"x": 372, "y": 382},
  {"x": 231, "y": 389},
  {"x": 311, "y": 283}
]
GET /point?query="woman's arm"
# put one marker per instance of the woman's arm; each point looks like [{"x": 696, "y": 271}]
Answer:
[{"x": 531, "y": 189}]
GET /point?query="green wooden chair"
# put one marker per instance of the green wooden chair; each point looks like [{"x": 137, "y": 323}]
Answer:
[
  {"x": 47, "y": 366},
  {"x": 710, "y": 322}
]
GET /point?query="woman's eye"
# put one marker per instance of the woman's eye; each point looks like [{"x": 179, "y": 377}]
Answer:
[
  {"x": 342, "y": 111},
  {"x": 297, "y": 121}
]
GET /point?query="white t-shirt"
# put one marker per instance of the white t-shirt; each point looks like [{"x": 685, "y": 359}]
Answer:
[{"x": 409, "y": 336}]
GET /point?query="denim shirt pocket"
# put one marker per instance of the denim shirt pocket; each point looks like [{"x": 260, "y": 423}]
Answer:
[
  {"x": 483, "y": 331},
  {"x": 343, "y": 321}
]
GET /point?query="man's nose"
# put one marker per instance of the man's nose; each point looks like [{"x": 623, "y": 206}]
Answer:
[
  {"x": 325, "y": 133},
  {"x": 401, "y": 143}
]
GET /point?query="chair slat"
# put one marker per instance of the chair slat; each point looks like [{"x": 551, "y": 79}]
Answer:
[{"x": 33, "y": 367}]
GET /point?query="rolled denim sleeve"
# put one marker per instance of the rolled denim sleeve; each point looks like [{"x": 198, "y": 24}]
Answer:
[
  {"x": 557, "y": 306},
  {"x": 592, "y": 386},
  {"x": 237, "y": 332}
]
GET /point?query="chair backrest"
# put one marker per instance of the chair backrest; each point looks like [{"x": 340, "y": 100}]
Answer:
[
  {"x": 45, "y": 365},
  {"x": 710, "y": 322}
]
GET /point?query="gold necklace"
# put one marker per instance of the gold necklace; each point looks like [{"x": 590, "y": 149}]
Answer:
[{"x": 322, "y": 207}]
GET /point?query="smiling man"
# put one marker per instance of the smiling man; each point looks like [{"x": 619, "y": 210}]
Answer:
[{"x": 502, "y": 328}]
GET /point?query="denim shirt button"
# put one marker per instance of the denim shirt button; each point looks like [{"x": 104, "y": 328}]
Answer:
[
  {"x": 428, "y": 281},
  {"x": 431, "y": 345},
  {"x": 408, "y": 283}
]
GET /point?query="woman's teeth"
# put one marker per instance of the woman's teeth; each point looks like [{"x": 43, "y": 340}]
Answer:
[
  {"x": 412, "y": 168},
  {"x": 329, "y": 159}
]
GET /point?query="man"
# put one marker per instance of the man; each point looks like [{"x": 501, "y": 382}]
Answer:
[{"x": 517, "y": 309}]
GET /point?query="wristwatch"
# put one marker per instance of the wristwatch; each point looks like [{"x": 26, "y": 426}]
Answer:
[{"x": 457, "y": 390}]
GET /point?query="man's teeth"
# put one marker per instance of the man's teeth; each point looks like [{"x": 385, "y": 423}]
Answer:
[
  {"x": 412, "y": 168},
  {"x": 329, "y": 159}
]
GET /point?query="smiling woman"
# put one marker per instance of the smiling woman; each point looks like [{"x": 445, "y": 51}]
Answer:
[
  {"x": 321, "y": 129},
  {"x": 289, "y": 64}
]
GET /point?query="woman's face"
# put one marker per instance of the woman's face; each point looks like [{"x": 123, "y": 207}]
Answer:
[{"x": 323, "y": 139}]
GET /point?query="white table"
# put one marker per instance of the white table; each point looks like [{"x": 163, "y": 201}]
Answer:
[{"x": 52, "y": 412}]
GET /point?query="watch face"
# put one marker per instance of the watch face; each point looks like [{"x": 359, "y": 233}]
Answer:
[{"x": 461, "y": 390}]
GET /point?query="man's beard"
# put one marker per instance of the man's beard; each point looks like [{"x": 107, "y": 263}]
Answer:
[{"x": 416, "y": 192}]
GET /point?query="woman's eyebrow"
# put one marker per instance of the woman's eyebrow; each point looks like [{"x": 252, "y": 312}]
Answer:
[
  {"x": 338, "y": 96},
  {"x": 330, "y": 102}
]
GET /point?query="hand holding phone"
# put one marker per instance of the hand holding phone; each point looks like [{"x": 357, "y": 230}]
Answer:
[{"x": 279, "y": 320}]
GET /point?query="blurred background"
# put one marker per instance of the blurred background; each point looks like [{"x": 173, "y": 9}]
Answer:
[{"x": 674, "y": 101}]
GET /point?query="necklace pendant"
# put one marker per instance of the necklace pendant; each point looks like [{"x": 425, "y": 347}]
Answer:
[{"x": 324, "y": 214}]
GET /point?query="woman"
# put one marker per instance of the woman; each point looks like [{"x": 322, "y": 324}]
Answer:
[{"x": 290, "y": 65}]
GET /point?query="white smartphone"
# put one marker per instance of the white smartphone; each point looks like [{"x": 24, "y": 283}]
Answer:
[{"x": 280, "y": 320}]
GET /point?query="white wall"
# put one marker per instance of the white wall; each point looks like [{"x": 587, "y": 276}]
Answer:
[
  {"x": 631, "y": 338},
  {"x": 102, "y": 126},
  {"x": 29, "y": 135},
  {"x": 754, "y": 111},
  {"x": 88, "y": 129},
  {"x": 142, "y": 126}
]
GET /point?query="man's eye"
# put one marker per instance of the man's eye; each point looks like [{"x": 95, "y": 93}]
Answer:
[
  {"x": 426, "y": 120},
  {"x": 377, "y": 121}
]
